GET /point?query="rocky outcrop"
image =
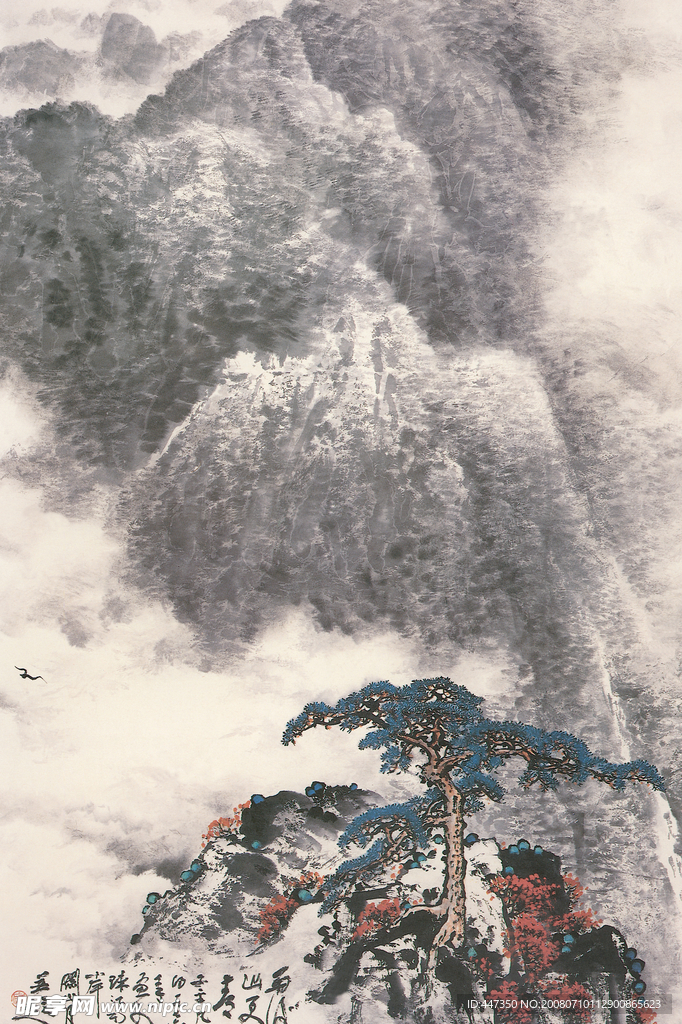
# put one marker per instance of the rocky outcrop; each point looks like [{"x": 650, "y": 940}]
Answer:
[{"x": 253, "y": 894}]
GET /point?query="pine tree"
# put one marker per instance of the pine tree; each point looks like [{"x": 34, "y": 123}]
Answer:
[{"x": 437, "y": 728}]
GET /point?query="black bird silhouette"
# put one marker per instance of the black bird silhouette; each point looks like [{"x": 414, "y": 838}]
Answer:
[{"x": 25, "y": 675}]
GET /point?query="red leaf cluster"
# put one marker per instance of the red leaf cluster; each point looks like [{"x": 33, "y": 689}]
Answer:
[
  {"x": 275, "y": 916},
  {"x": 515, "y": 1014},
  {"x": 376, "y": 916},
  {"x": 226, "y": 826},
  {"x": 532, "y": 895},
  {"x": 569, "y": 991},
  {"x": 535, "y": 896},
  {"x": 279, "y": 910},
  {"x": 534, "y": 946},
  {"x": 530, "y": 906}
]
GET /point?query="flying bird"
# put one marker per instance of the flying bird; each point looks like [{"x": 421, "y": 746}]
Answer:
[{"x": 24, "y": 674}]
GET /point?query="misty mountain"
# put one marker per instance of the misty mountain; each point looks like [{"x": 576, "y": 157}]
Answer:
[
  {"x": 128, "y": 54},
  {"x": 252, "y": 209},
  {"x": 40, "y": 67},
  {"x": 130, "y": 48},
  {"x": 374, "y": 461},
  {"x": 289, "y": 312},
  {"x": 127, "y": 192},
  {"x": 387, "y": 451}
]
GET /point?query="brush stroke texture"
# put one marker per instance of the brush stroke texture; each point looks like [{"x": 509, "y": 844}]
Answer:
[{"x": 290, "y": 314}]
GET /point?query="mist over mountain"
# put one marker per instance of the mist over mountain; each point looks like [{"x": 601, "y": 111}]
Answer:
[
  {"x": 291, "y": 314},
  {"x": 39, "y": 67},
  {"x": 453, "y": 247},
  {"x": 360, "y": 224},
  {"x": 109, "y": 58}
]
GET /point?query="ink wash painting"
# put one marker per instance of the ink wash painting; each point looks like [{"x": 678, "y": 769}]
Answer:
[{"x": 341, "y": 395}]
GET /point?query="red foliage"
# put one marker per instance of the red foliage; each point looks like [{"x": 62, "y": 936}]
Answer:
[
  {"x": 569, "y": 991},
  {"x": 530, "y": 906},
  {"x": 278, "y": 911},
  {"x": 530, "y": 895},
  {"x": 577, "y": 921},
  {"x": 308, "y": 880},
  {"x": 514, "y": 1014},
  {"x": 574, "y": 888},
  {"x": 376, "y": 916},
  {"x": 275, "y": 916},
  {"x": 484, "y": 967},
  {"x": 534, "y": 946},
  {"x": 537, "y": 897},
  {"x": 226, "y": 826}
]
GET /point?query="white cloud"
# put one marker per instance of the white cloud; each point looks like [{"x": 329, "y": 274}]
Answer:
[
  {"x": 614, "y": 251},
  {"x": 66, "y": 26}
]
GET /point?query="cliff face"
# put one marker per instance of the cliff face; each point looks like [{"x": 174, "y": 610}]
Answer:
[
  {"x": 377, "y": 461},
  {"x": 188, "y": 225}
]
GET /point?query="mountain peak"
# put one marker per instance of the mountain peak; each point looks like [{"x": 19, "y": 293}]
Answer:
[
  {"x": 130, "y": 47},
  {"x": 219, "y": 87}
]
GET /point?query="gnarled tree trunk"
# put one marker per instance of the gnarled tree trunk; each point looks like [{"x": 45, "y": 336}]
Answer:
[{"x": 451, "y": 908}]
